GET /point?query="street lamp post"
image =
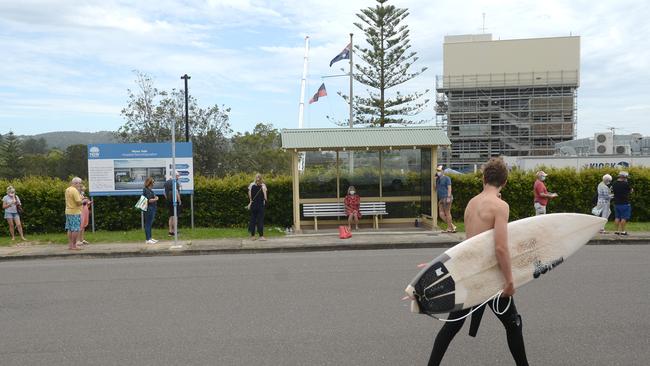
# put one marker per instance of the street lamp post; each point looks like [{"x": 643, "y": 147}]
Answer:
[{"x": 187, "y": 125}]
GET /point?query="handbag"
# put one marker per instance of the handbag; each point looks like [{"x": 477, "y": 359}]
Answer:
[
  {"x": 596, "y": 211},
  {"x": 142, "y": 203},
  {"x": 344, "y": 233}
]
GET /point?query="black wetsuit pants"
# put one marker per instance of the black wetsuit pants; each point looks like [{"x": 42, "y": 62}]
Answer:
[{"x": 510, "y": 320}]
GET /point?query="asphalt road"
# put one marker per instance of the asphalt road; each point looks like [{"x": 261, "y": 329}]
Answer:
[{"x": 327, "y": 308}]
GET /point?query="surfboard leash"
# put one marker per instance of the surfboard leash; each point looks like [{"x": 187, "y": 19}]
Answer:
[{"x": 495, "y": 307}]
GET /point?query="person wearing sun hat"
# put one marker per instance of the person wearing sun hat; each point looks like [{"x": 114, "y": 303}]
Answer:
[
  {"x": 622, "y": 206},
  {"x": 542, "y": 195}
]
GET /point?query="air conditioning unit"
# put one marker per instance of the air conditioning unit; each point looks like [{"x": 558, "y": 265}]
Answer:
[
  {"x": 604, "y": 143},
  {"x": 623, "y": 150}
]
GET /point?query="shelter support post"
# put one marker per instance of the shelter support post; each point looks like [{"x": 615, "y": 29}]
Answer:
[
  {"x": 434, "y": 195},
  {"x": 296, "y": 192}
]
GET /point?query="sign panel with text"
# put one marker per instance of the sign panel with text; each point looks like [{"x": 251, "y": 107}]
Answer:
[{"x": 121, "y": 169}]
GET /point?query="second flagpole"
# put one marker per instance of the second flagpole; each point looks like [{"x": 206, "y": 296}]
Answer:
[{"x": 351, "y": 95}]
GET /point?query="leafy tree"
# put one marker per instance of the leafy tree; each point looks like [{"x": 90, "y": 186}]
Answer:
[
  {"x": 387, "y": 64},
  {"x": 75, "y": 162},
  {"x": 35, "y": 146},
  {"x": 259, "y": 151},
  {"x": 149, "y": 115},
  {"x": 11, "y": 157},
  {"x": 210, "y": 127}
]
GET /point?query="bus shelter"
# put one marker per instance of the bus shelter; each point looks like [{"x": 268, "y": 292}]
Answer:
[{"x": 388, "y": 165}]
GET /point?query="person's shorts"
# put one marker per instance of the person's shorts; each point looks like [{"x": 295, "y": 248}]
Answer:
[
  {"x": 12, "y": 215},
  {"x": 539, "y": 209},
  {"x": 72, "y": 222},
  {"x": 170, "y": 210},
  {"x": 623, "y": 212},
  {"x": 444, "y": 204}
]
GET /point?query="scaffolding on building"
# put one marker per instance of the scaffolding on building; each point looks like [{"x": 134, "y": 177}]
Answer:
[{"x": 517, "y": 114}]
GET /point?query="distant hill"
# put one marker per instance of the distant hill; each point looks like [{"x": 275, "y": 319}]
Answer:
[{"x": 63, "y": 139}]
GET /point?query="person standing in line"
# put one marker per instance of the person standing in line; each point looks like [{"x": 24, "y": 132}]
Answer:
[
  {"x": 170, "y": 202},
  {"x": 85, "y": 215},
  {"x": 622, "y": 206},
  {"x": 604, "y": 198},
  {"x": 150, "y": 214},
  {"x": 542, "y": 196},
  {"x": 352, "y": 203},
  {"x": 257, "y": 199},
  {"x": 443, "y": 190},
  {"x": 484, "y": 212},
  {"x": 11, "y": 203},
  {"x": 73, "y": 212}
]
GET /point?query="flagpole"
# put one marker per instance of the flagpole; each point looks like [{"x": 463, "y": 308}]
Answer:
[
  {"x": 351, "y": 154},
  {"x": 301, "y": 112},
  {"x": 351, "y": 65}
]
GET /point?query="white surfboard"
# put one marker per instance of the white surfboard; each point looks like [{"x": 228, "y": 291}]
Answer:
[{"x": 468, "y": 274}]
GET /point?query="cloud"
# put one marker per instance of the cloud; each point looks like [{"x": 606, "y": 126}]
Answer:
[{"x": 249, "y": 53}]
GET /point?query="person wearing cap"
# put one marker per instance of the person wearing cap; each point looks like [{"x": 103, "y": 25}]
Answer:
[
  {"x": 542, "y": 195},
  {"x": 622, "y": 206},
  {"x": 443, "y": 190},
  {"x": 604, "y": 198},
  {"x": 170, "y": 202}
]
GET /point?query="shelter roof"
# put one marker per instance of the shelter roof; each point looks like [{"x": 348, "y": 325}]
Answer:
[{"x": 363, "y": 138}]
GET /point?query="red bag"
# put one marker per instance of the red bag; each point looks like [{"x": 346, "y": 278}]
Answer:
[{"x": 344, "y": 233}]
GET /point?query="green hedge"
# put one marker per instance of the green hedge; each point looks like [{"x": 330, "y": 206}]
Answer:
[
  {"x": 576, "y": 191},
  {"x": 220, "y": 202},
  {"x": 217, "y": 203}
]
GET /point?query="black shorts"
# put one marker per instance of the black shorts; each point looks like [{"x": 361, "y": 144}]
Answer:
[{"x": 170, "y": 209}]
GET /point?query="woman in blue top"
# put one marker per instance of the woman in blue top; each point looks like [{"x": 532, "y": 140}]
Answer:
[
  {"x": 150, "y": 214},
  {"x": 11, "y": 203}
]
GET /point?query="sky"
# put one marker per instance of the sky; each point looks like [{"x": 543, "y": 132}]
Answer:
[{"x": 67, "y": 65}]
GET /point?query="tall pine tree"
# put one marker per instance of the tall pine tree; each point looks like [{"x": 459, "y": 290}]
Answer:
[
  {"x": 11, "y": 157},
  {"x": 387, "y": 64}
]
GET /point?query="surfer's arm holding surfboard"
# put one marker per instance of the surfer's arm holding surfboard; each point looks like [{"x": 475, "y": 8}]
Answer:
[{"x": 502, "y": 212}]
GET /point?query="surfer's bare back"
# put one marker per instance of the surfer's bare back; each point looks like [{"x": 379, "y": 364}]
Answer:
[{"x": 484, "y": 212}]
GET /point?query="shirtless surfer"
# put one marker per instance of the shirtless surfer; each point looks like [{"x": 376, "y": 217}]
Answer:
[{"x": 484, "y": 212}]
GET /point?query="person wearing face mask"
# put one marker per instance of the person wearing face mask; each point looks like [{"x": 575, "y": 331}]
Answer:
[
  {"x": 542, "y": 195},
  {"x": 11, "y": 203},
  {"x": 352, "y": 203},
  {"x": 604, "y": 196}
]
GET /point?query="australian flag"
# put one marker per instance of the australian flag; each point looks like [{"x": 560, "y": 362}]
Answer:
[
  {"x": 320, "y": 93},
  {"x": 345, "y": 54}
]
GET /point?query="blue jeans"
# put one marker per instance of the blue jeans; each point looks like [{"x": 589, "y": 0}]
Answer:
[{"x": 149, "y": 216}]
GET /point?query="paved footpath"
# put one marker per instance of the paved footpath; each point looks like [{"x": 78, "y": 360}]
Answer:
[{"x": 324, "y": 240}]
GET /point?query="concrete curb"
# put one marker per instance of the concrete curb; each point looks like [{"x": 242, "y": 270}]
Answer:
[{"x": 284, "y": 245}]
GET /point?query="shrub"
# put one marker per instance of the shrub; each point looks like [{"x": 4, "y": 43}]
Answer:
[{"x": 220, "y": 202}]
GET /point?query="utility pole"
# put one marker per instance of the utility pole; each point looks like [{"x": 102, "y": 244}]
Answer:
[{"x": 187, "y": 124}]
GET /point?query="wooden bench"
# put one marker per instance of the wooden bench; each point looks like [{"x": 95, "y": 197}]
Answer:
[{"x": 317, "y": 210}]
